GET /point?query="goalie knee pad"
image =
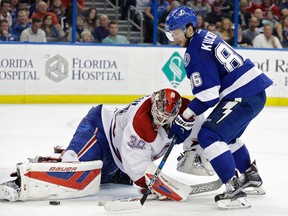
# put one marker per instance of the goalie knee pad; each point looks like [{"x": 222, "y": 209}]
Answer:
[{"x": 59, "y": 180}]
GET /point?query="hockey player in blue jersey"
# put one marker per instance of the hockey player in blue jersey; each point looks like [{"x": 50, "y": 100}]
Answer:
[{"x": 220, "y": 78}]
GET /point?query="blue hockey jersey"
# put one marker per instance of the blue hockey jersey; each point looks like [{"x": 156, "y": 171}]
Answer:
[{"x": 216, "y": 71}]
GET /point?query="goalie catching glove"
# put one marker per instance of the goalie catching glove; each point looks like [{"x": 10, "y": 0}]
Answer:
[{"x": 166, "y": 187}]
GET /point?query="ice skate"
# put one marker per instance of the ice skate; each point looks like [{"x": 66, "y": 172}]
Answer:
[
  {"x": 9, "y": 191},
  {"x": 251, "y": 181},
  {"x": 233, "y": 197}
]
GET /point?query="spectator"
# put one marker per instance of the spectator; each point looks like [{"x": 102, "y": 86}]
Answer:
[
  {"x": 258, "y": 13},
  {"x": 242, "y": 40},
  {"x": 283, "y": 5},
  {"x": 201, "y": 23},
  {"x": 225, "y": 30},
  {"x": 58, "y": 9},
  {"x": 90, "y": 19},
  {"x": 29, "y": 8},
  {"x": 34, "y": 33},
  {"x": 79, "y": 28},
  {"x": 149, "y": 17},
  {"x": 267, "y": 39},
  {"x": 244, "y": 16},
  {"x": 252, "y": 6},
  {"x": 51, "y": 31},
  {"x": 101, "y": 31},
  {"x": 266, "y": 5},
  {"x": 86, "y": 37},
  {"x": 80, "y": 4},
  {"x": 227, "y": 6},
  {"x": 140, "y": 6},
  {"x": 200, "y": 7},
  {"x": 284, "y": 24},
  {"x": 125, "y": 7},
  {"x": 216, "y": 15},
  {"x": 22, "y": 23},
  {"x": 284, "y": 12},
  {"x": 212, "y": 28},
  {"x": 42, "y": 10},
  {"x": 4, "y": 11},
  {"x": 67, "y": 20},
  {"x": 113, "y": 37},
  {"x": 14, "y": 9},
  {"x": 252, "y": 30},
  {"x": 5, "y": 34},
  {"x": 277, "y": 28}
]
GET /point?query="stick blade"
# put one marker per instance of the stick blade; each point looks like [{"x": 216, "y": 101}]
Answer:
[
  {"x": 122, "y": 205},
  {"x": 205, "y": 187}
]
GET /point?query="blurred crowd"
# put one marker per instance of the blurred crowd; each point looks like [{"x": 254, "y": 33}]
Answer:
[{"x": 262, "y": 23}]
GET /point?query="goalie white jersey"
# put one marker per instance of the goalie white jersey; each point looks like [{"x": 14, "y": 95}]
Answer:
[{"x": 133, "y": 140}]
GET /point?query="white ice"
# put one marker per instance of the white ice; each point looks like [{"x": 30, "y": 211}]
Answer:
[{"x": 30, "y": 130}]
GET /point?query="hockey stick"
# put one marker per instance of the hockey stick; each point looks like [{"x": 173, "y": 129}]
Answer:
[
  {"x": 205, "y": 187},
  {"x": 135, "y": 203}
]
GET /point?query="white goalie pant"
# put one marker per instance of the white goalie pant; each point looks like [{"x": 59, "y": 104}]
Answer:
[{"x": 42, "y": 181}]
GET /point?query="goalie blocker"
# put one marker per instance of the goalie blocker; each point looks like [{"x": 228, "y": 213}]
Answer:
[
  {"x": 58, "y": 180},
  {"x": 167, "y": 187}
]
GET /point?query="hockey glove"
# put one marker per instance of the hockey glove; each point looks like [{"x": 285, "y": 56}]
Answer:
[{"x": 181, "y": 129}]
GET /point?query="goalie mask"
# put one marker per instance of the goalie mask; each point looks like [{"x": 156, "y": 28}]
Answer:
[{"x": 166, "y": 104}]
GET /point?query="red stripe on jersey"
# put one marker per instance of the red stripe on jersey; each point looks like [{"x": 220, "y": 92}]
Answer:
[
  {"x": 62, "y": 180},
  {"x": 143, "y": 122},
  {"x": 88, "y": 145}
]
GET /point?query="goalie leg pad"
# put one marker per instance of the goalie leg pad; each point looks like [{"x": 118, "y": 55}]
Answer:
[
  {"x": 59, "y": 180},
  {"x": 167, "y": 186},
  {"x": 192, "y": 163}
]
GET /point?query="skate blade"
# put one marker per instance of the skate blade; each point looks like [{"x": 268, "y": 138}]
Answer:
[
  {"x": 238, "y": 203},
  {"x": 255, "y": 191}
]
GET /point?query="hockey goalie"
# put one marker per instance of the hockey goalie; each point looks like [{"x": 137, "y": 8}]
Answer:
[{"x": 113, "y": 145}]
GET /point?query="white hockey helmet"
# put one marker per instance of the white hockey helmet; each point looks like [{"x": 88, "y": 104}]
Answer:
[{"x": 166, "y": 105}]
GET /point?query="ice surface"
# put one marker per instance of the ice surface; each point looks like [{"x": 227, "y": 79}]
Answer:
[{"x": 30, "y": 130}]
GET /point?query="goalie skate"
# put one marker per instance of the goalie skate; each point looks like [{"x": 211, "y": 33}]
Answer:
[
  {"x": 9, "y": 191},
  {"x": 233, "y": 197}
]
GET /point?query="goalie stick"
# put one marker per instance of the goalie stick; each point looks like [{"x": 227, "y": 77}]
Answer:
[
  {"x": 205, "y": 187},
  {"x": 135, "y": 203}
]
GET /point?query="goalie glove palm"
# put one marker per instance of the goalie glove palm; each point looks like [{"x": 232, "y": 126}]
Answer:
[{"x": 181, "y": 129}]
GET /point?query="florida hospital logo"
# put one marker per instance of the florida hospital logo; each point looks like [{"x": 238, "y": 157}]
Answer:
[
  {"x": 56, "y": 68},
  {"x": 174, "y": 70}
]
